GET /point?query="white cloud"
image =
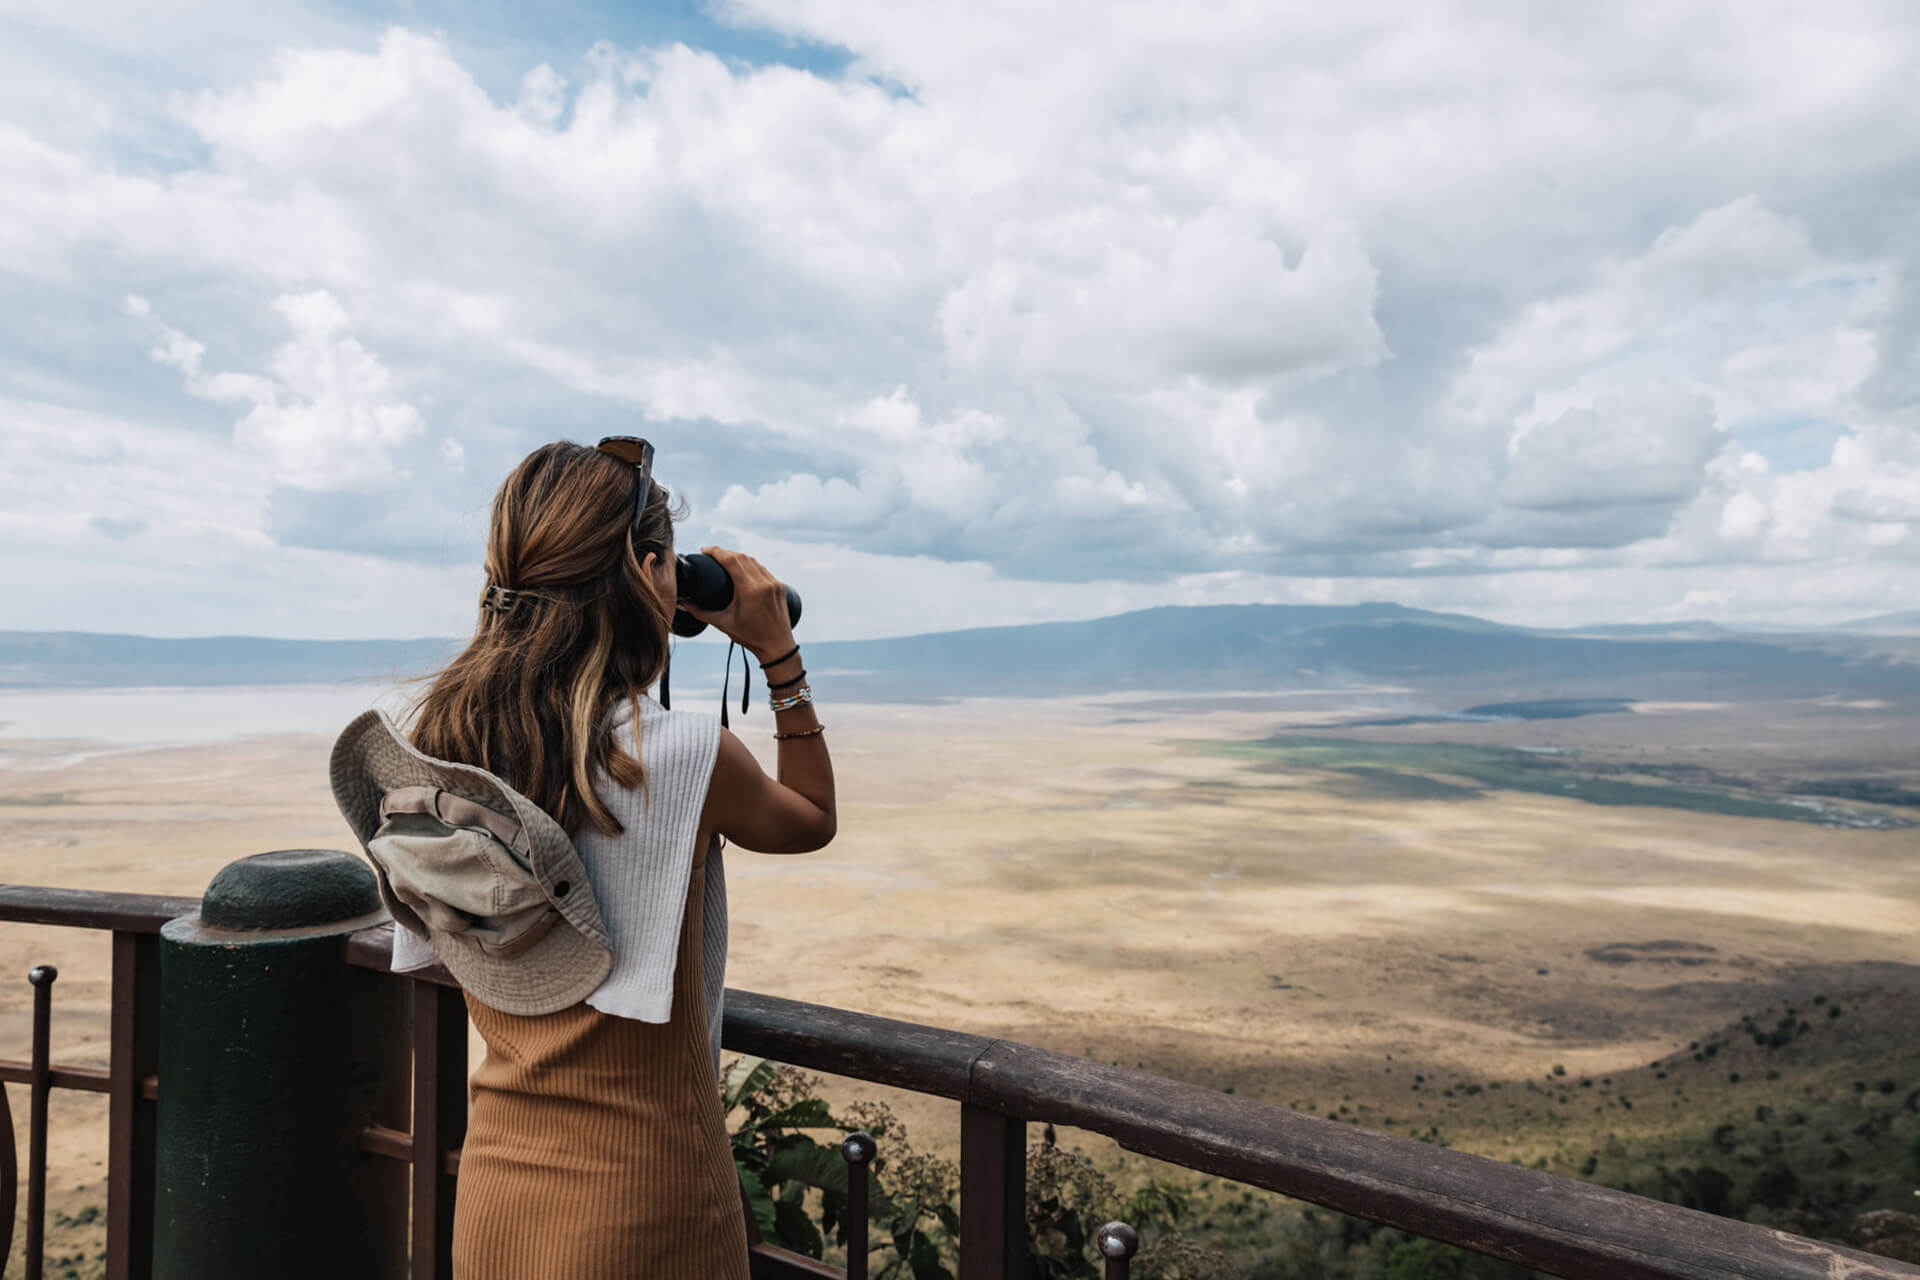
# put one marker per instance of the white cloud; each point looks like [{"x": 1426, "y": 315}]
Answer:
[
  {"x": 328, "y": 417},
  {"x": 1619, "y": 453},
  {"x": 1742, "y": 518},
  {"x": 1099, "y": 296},
  {"x": 69, "y": 467},
  {"x": 1877, "y": 477},
  {"x": 543, "y": 95},
  {"x": 1227, "y": 293},
  {"x": 110, "y": 525},
  {"x": 1735, "y": 301}
]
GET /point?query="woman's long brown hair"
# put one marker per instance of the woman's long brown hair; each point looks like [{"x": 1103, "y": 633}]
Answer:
[{"x": 527, "y": 699}]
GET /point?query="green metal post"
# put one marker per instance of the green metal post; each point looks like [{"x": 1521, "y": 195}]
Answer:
[{"x": 265, "y": 1087}]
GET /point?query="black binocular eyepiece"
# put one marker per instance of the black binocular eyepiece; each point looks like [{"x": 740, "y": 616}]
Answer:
[{"x": 702, "y": 582}]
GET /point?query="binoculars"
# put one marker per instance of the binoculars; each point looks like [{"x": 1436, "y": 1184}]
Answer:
[{"x": 702, "y": 582}]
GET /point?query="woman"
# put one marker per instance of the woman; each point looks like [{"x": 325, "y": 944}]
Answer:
[{"x": 597, "y": 1148}]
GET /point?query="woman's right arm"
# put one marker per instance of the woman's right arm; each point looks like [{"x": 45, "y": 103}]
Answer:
[{"x": 794, "y": 812}]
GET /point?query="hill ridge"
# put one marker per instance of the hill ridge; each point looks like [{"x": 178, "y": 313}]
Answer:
[{"x": 1271, "y": 647}]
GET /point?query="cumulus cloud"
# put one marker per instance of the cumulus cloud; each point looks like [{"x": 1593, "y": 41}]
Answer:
[
  {"x": 114, "y": 524},
  {"x": 1878, "y": 478},
  {"x": 1622, "y": 453},
  {"x": 95, "y": 483},
  {"x": 1342, "y": 296},
  {"x": 1102, "y": 297},
  {"x": 326, "y": 418}
]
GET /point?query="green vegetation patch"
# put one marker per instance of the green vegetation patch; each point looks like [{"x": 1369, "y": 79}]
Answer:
[
  {"x": 1455, "y": 771},
  {"x": 1370, "y": 782},
  {"x": 1871, "y": 790}
]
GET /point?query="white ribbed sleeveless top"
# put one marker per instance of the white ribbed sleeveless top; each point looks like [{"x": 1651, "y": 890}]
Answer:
[{"x": 640, "y": 877}]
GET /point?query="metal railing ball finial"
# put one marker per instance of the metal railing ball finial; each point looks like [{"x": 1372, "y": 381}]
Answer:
[
  {"x": 1118, "y": 1242},
  {"x": 858, "y": 1148}
]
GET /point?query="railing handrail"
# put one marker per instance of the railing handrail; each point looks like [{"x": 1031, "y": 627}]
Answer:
[
  {"x": 1523, "y": 1215},
  {"x": 91, "y": 908}
]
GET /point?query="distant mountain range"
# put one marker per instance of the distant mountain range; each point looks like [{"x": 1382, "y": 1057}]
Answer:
[
  {"x": 1886, "y": 624},
  {"x": 1200, "y": 648},
  {"x": 1279, "y": 647},
  {"x": 44, "y": 659}
]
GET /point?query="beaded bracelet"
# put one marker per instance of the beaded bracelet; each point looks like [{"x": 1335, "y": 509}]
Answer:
[
  {"x": 804, "y": 733},
  {"x": 799, "y": 697}
]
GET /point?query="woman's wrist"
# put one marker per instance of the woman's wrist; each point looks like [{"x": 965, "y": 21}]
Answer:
[{"x": 778, "y": 658}]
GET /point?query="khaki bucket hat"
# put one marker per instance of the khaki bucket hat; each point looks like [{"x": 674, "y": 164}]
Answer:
[{"x": 475, "y": 867}]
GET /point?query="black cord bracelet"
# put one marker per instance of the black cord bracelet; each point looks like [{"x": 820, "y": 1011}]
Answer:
[
  {"x": 782, "y": 658},
  {"x": 788, "y": 684}
]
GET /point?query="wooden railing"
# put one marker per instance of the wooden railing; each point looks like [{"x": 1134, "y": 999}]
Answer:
[{"x": 1553, "y": 1224}]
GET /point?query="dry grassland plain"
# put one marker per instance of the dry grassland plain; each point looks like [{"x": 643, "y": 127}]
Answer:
[{"x": 1104, "y": 878}]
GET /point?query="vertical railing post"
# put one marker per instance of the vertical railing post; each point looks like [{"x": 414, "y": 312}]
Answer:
[
  {"x": 382, "y": 1010},
  {"x": 9, "y": 1178},
  {"x": 993, "y": 1195},
  {"x": 41, "y": 976},
  {"x": 858, "y": 1150},
  {"x": 262, "y": 1092},
  {"x": 439, "y": 1121},
  {"x": 135, "y": 1056}
]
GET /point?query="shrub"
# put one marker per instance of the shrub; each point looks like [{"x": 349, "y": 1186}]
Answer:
[{"x": 780, "y": 1164}]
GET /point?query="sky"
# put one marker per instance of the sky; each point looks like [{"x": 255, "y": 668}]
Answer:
[{"x": 960, "y": 315}]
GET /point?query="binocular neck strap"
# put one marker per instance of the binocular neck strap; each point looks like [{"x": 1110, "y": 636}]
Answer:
[{"x": 746, "y": 683}]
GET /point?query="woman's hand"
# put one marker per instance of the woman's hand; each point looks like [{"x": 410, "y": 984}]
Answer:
[
  {"x": 757, "y": 615},
  {"x": 793, "y": 812}
]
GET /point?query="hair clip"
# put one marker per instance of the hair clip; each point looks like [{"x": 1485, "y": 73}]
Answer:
[{"x": 498, "y": 598}]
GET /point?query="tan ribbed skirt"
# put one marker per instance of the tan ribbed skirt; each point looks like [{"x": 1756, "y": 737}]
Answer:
[{"x": 597, "y": 1149}]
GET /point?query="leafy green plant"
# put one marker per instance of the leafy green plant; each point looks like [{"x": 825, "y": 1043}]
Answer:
[
  {"x": 797, "y": 1187},
  {"x": 1068, "y": 1200},
  {"x": 784, "y": 1168}
]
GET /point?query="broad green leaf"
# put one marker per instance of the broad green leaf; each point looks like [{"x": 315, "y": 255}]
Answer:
[
  {"x": 833, "y": 1216},
  {"x": 925, "y": 1260},
  {"x": 796, "y": 1229},
  {"x": 899, "y": 1216},
  {"x": 808, "y": 1113},
  {"x": 809, "y": 1162},
  {"x": 744, "y": 1079},
  {"x": 758, "y": 1198}
]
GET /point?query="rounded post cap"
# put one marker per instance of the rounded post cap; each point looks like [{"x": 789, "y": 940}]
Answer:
[
  {"x": 1118, "y": 1240},
  {"x": 289, "y": 889},
  {"x": 858, "y": 1147}
]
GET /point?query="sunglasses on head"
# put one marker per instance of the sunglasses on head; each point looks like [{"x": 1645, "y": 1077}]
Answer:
[{"x": 638, "y": 454}]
